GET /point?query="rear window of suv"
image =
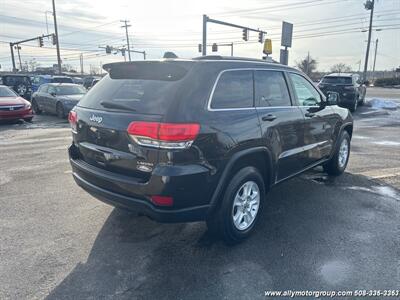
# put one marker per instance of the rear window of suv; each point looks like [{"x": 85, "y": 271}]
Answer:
[
  {"x": 144, "y": 87},
  {"x": 337, "y": 80},
  {"x": 62, "y": 80}
]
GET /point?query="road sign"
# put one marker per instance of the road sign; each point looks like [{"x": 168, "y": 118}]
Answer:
[{"x": 287, "y": 33}]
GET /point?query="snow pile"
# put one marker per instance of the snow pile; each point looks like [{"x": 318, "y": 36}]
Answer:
[{"x": 379, "y": 103}]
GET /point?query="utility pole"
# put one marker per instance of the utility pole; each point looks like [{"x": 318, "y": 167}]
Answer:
[
  {"x": 56, "y": 38},
  {"x": 376, "y": 50},
  {"x": 127, "y": 36},
  {"x": 369, "y": 5},
  {"x": 81, "y": 62}
]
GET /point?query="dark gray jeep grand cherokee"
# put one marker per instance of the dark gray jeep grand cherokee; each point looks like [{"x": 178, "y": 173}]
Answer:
[{"x": 203, "y": 139}]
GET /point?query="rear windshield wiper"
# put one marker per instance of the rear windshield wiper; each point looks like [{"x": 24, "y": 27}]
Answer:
[{"x": 111, "y": 104}]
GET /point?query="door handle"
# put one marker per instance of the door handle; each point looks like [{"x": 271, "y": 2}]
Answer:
[
  {"x": 310, "y": 115},
  {"x": 269, "y": 118}
]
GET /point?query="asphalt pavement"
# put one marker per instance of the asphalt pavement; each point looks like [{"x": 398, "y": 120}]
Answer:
[{"x": 316, "y": 232}]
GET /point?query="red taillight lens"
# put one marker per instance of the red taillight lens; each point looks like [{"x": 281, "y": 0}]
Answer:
[
  {"x": 162, "y": 200},
  {"x": 73, "y": 120},
  {"x": 164, "y": 135}
]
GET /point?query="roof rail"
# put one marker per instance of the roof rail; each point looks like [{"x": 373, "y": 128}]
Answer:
[{"x": 220, "y": 57}]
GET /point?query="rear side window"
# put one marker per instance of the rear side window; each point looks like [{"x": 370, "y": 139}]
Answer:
[
  {"x": 271, "y": 89},
  {"x": 140, "y": 87},
  {"x": 337, "y": 80},
  {"x": 234, "y": 89}
]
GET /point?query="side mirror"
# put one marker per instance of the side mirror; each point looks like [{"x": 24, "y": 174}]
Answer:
[
  {"x": 53, "y": 94},
  {"x": 332, "y": 98}
]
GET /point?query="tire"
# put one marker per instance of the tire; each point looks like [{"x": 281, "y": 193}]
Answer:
[
  {"x": 354, "y": 107},
  {"x": 35, "y": 107},
  {"x": 60, "y": 110},
  {"x": 28, "y": 119},
  {"x": 362, "y": 101},
  {"x": 338, "y": 163},
  {"x": 222, "y": 222}
]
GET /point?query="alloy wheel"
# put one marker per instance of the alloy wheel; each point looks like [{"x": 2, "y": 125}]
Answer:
[{"x": 246, "y": 205}]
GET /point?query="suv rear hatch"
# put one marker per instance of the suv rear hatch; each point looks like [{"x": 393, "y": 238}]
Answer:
[
  {"x": 337, "y": 84},
  {"x": 132, "y": 92}
]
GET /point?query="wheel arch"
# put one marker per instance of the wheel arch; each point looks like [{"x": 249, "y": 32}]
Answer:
[{"x": 258, "y": 157}]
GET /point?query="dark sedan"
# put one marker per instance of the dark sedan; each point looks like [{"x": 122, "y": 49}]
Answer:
[
  {"x": 57, "y": 98},
  {"x": 13, "y": 107}
]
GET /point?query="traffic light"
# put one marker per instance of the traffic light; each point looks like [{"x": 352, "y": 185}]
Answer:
[
  {"x": 200, "y": 48},
  {"x": 53, "y": 39},
  {"x": 245, "y": 35},
  {"x": 108, "y": 49},
  {"x": 261, "y": 37},
  {"x": 41, "y": 41},
  {"x": 214, "y": 47},
  {"x": 123, "y": 51}
]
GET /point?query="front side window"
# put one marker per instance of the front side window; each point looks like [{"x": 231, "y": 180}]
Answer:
[
  {"x": 271, "y": 89},
  {"x": 234, "y": 89},
  {"x": 307, "y": 94},
  {"x": 51, "y": 90}
]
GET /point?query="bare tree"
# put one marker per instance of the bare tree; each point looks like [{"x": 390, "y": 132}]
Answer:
[
  {"x": 340, "y": 68},
  {"x": 308, "y": 65}
]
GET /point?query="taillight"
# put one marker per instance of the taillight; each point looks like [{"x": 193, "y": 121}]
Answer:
[
  {"x": 164, "y": 135},
  {"x": 162, "y": 200},
  {"x": 73, "y": 120}
]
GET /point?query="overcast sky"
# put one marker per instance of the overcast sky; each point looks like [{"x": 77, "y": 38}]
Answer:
[{"x": 331, "y": 30}]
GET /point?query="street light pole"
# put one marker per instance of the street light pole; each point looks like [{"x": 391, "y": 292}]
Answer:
[
  {"x": 12, "y": 56},
  {"x": 56, "y": 38},
  {"x": 370, "y": 4},
  {"x": 204, "y": 48}
]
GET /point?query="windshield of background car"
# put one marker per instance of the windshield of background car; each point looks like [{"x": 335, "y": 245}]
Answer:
[
  {"x": 70, "y": 90},
  {"x": 145, "y": 87},
  {"x": 337, "y": 80},
  {"x": 6, "y": 92},
  {"x": 62, "y": 80}
]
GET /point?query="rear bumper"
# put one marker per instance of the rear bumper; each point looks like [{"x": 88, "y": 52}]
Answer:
[
  {"x": 189, "y": 189},
  {"x": 190, "y": 214}
]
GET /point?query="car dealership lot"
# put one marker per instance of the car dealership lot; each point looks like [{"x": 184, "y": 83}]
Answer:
[{"x": 316, "y": 233}]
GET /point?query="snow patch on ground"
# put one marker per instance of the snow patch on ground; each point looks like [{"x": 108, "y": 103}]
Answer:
[
  {"x": 380, "y": 103},
  {"x": 387, "y": 143}
]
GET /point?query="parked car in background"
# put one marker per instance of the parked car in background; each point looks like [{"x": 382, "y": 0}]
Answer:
[
  {"x": 88, "y": 81},
  {"x": 42, "y": 79},
  {"x": 203, "y": 139},
  {"x": 349, "y": 87},
  {"x": 77, "y": 80},
  {"x": 13, "y": 106},
  {"x": 94, "y": 82},
  {"x": 21, "y": 84},
  {"x": 57, "y": 98}
]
